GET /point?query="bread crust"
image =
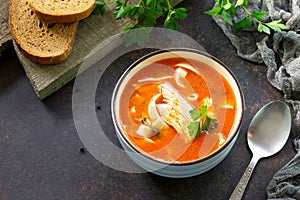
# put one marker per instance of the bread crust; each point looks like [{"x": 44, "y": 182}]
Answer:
[
  {"x": 62, "y": 16},
  {"x": 40, "y": 41}
]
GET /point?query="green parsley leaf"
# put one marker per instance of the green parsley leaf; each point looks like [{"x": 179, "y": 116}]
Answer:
[
  {"x": 214, "y": 11},
  {"x": 228, "y": 5},
  {"x": 209, "y": 123},
  {"x": 276, "y": 25},
  {"x": 171, "y": 24},
  {"x": 201, "y": 121},
  {"x": 99, "y": 7},
  {"x": 138, "y": 36},
  {"x": 239, "y": 3},
  {"x": 231, "y": 10},
  {"x": 206, "y": 123},
  {"x": 245, "y": 3},
  {"x": 195, "y": 114},
  {"x": 219, "y": 2},
  {"x": 174, "y": 14},
  {"x": 118, "y": 9},
  {"x": 227, "y": 18},
  {"x": 149, "y": 17},
  {"x": 149, "y": 2},
  {"x": 204, "y": 109},
  {"x": 242, "y": 24},
  {"x": 258, "y": 15},
  {"x": 130, "y": 11},
  {"x": 262, "y": 28},
  {"x": 180, "y": 13},
  {"x": 194, "y": 129}
]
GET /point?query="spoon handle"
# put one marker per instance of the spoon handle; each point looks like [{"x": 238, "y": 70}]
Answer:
[{"x": 241, "y": 186}]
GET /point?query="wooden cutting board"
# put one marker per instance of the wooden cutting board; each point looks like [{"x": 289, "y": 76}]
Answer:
[
  {"x": 92, "y": 31},
  {"x": 46, "y": 79}
]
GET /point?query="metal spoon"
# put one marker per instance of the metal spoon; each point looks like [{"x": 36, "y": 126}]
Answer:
[{"x": 267, "y": 134}]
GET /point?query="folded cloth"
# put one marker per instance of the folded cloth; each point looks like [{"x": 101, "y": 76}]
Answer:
[
  {"x": 286, "y": 182},
  {"x": 280, "y": 52}
]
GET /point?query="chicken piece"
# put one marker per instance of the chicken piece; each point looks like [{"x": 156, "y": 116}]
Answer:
[{"x": 175, "y": 110}]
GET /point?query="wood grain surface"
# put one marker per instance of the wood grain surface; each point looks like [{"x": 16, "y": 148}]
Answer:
[
  {"x": 5, "y": 36},
  {"x": 92, "y": 31},
  {"x": 46, "y": 79}
]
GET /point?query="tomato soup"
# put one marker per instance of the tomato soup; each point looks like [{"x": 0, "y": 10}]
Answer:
[{"x": 156, "y": 109}]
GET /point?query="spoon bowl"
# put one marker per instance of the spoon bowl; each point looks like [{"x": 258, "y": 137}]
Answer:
[
  {"x": 269, "y": 129},
  {"x": 267, "y": 134}
]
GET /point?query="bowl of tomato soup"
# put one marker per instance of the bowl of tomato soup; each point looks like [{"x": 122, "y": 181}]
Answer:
[{"x": 177, "y": 112}]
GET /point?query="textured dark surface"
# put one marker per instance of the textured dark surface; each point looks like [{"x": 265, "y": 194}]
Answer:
[{"x": 40, "y": 151}]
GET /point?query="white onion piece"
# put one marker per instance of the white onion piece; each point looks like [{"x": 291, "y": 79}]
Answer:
[
  {"x": 187, "y": 66},
  {"x": 180, "y": 74},
  {"x": 159, "y": 124},
  {"x": 133, "y": 110},
  {"x": 228, "y": 106},
  {"x": 157, "y": 121},
  {"x": 149, "y": 140},
  {"x": 153, "y": 114},
  {"x": 222, "y": 138},
  {"x": 145, "y": 131},
  {"x": 193, "y": 97},
  {"x": 152, "y": 79}
]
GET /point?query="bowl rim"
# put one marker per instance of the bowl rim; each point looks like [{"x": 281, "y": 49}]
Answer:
[{"x": 176, "y": 163}]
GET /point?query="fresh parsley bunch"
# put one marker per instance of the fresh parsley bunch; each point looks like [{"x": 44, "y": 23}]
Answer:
[
  {"x": 226, "y": 9},
  {"x": 145, "y": 12}
]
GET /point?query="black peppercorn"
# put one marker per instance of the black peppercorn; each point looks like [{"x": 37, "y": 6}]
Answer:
[
  {"x": 98, "y": 107},
  {"x": 82, "y": 150}
]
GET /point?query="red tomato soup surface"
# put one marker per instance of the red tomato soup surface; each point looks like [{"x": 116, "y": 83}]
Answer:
[{"x": 193, "y": 80}]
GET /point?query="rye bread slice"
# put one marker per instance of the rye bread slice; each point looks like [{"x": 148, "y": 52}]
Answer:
[
  {"x": 41, "y": 41},
  {"x": 62, "y": 11}
]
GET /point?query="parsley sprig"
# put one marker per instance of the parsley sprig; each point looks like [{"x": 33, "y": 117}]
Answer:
[
  {"x": 99, "y": 7},
  {"x": 145, "y": 12},
  {"x": 201, "y": 121},
  {"x": 226, "y": 9}
]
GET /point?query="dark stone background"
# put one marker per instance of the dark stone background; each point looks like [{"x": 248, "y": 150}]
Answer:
[{"x": 40, "y": 155}]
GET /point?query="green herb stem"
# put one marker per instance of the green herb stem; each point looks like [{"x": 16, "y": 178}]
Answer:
[{"x": 226, "y": 9}]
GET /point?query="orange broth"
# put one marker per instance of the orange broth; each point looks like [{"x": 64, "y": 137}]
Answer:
[{"x": 168, "y": 145}]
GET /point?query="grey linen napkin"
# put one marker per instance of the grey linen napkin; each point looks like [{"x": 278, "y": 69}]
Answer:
[
  {"x": 280, "y": 52},
  {"x": 286, "y": 182}
]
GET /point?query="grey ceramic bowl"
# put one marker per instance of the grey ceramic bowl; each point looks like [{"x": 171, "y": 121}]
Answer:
[{"x": 177, "y": 169}]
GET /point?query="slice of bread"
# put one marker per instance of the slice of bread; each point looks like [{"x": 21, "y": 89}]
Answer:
[
  {"x": 41, "y": 41},
  {"x": 62, "y": 11}
]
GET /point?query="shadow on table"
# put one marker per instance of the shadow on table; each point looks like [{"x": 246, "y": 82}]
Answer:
[{"x": 10, "y": 69}]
